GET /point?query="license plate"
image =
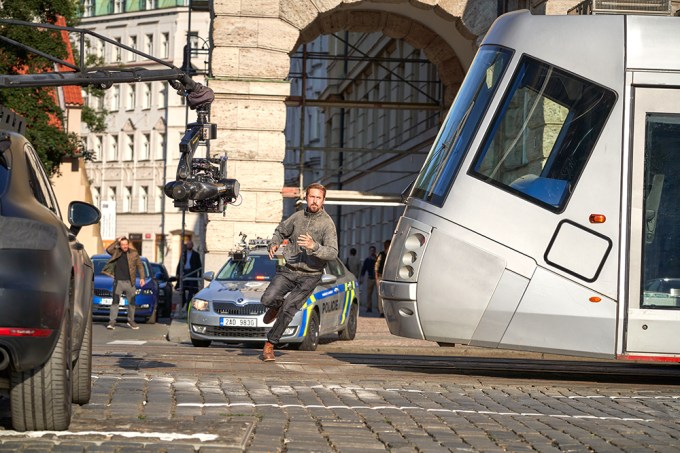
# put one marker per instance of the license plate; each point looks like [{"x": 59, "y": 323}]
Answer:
[
  {"x": 108, "y": 301},
  {"x": 238, "y": 322}
]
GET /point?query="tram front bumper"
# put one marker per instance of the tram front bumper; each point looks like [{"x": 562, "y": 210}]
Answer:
[{"x": 400, "y": 308}]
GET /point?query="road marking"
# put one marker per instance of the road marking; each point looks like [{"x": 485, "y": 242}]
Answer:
[
  {"x": 407, "y": 408},
  {"x": 586, "y": 397},
  {"x": 132, "y": 342},
  {"x": 203, "y": 437}
]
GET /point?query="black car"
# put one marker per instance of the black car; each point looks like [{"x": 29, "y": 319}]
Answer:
[
  {"x": 160, "y": 274},
  {"x": 46, "y": 281}
]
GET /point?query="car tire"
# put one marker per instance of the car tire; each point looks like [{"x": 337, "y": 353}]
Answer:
[
  {"x": 152, "y": 317},
  {"x": 41, "y": 397},
  {"x": 201, "y": 343},
  {"x": 81, "y": 379},
  {"x": 350, "y": 330},
  {"x": 311, "y": 340}
]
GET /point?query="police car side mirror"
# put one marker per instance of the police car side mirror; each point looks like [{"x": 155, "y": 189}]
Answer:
[
  {"x": 209, "y": 276},
  {"x": 327, "y": 279}
]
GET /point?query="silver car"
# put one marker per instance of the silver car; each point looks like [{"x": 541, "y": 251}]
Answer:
[{"x": 229, "y": 309}]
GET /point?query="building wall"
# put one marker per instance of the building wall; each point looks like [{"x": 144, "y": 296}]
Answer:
[{"x": 156, "y": 121}]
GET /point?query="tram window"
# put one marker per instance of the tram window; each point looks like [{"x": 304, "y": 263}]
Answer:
[
  {"x": 473, "y": 99},
  {"x": 543, "y": 133},
  {"x": 661, "y": 220}
]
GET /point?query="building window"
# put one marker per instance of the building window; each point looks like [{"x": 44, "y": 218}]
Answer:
[
  {"x": 116, "y": 51},
  {"x": 146, "y": 146},
  {"x": 160, "y": 195},
  {"x": 133, "y": 43},
  {"x": 115, "y": 98},
  {"x": 130, "y": 148},
  {"x": 163, "y": 95},
  {"x": 160, "y": 151},
  {"x": 149, "y": 4},
  {"x": 95, "y": 196},
  {"x": 165, "y": 45},
  {"x": 111, "y": 195},
  {"x": 131, "y": 97},
  {"x": 149, "y": 44},
  {"x": 127, "y": 198},
  {"x": 96, "y": 148},
  {"x": 143, "y": 198},
  {"x": 114, "y": 149},
  {"x": 118, "y": 6},
  {"x": 88, "y": 8},
  {"x": 146, "y": 100}
]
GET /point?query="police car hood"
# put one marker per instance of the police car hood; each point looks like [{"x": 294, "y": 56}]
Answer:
[{"x": 228, "y": 289}]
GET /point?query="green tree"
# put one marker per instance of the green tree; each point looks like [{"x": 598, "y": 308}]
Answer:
[{"x": 39, "y": 106}]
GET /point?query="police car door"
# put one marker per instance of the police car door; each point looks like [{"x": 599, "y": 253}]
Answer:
[{"x": 332, "y": 296}]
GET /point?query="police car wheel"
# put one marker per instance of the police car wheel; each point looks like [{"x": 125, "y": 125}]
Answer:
[
  {"x": 311, "y": 340},
  {"x": 350, "y": 330}
]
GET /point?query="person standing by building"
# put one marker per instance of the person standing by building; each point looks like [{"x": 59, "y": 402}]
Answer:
[
  {"x": 379, "y": 266},
  {"x": 313, "y": 241},
  {"x": 353, "y": 262},
  {"x": 123, "y": 266},
  {"x": 191, "y": 270},
  {"x": 368, "y": 269}
]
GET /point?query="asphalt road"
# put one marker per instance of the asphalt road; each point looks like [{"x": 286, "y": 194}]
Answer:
[{"x": 154, "y": 391}]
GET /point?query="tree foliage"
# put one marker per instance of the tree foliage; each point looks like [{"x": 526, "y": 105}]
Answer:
[{"x": 39, "y": 106}]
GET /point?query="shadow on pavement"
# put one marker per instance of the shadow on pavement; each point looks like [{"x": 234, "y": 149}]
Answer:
[{"x": 579, "y": 370}]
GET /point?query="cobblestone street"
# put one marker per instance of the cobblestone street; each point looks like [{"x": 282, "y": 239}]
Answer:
[{"x": 165, "y": 396}]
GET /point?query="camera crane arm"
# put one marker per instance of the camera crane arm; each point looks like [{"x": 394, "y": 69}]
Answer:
[{"x": 201, "y": 184}]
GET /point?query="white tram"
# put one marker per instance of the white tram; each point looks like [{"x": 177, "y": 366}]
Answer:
[{"x": 547, "y": 214}]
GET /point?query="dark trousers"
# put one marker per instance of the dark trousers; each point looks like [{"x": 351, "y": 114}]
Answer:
[{"x": 298, "y": 286}]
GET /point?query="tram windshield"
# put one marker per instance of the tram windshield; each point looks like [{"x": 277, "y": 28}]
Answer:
[
  {"x": 467, "y": 111},
  {"x": 543, "y": 133}
]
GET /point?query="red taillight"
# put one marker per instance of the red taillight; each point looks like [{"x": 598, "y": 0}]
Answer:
[{"x": 24, "y": 332}]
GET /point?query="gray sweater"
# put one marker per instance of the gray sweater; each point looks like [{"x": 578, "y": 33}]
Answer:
[{"x": 320, "y": 226}]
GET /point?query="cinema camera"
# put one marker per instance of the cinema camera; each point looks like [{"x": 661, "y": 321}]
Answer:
[{"x": 201, "y": 184}]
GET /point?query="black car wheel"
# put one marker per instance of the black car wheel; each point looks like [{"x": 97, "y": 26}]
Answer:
[
  {"x": 152, "y": 317},
  {"x": 82, "y": 369},
  {"x": 201, "y": 343},
  {"x": 311, "y": 340},
  {"x": 350, "y": 330},
  {"x": 41, "y": 397}
]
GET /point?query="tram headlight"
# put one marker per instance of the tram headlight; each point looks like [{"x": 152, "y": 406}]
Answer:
[
  {"x": 414, "y": 241},
  {"x": 406, "y": 272},
  {"x": 409, "y": 258}
]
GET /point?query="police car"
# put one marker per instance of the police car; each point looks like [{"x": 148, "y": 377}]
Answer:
[{"x": 229, "y": 309}]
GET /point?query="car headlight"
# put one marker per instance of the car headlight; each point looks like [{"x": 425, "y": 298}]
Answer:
[{"x": 199, "y": 304}]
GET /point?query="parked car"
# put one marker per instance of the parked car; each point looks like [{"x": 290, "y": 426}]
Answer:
[
  {"x": 146, "y": 300},
  {"x": 165, "y": 289},
  {"x": 45, "y": 292},
  {"x": 229, "y": 309}
]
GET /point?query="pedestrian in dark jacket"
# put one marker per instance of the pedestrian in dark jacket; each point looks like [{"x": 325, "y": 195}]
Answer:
[
  {"x": 312, "y": 242},
  {"x": 191, "y": 261},
  {"x": 123, "y": 267}
]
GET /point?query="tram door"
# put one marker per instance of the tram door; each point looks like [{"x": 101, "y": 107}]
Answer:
[{"x": 653, "y": 324}]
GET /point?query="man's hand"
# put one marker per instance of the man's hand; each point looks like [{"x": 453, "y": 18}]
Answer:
[
  {"x": 141, "y": 282},
  {"x": 306, "y": 241},
  {"x": 272, "y": 250}
]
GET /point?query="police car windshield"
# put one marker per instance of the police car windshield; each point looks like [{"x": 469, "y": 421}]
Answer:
[{"x": 252, "y": 267}]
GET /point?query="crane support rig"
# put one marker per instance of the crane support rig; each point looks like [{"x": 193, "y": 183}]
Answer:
[{"x": 201, "y": 184}]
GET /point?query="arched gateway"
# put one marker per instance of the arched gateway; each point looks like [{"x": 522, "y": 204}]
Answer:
[{"x": 252, "y": 42}]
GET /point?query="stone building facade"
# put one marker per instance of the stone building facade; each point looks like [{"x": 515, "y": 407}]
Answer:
[{"x": 252, "y": 44}]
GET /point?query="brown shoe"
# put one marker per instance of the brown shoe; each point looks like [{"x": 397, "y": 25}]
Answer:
[
  {"x": 268, "y": 352},
  {"x": 270, "y": 315}
]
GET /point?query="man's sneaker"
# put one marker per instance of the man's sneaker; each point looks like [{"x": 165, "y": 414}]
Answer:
[
  {"x": 132, "y": 325},
  {"x": 268, "y": 352},
  {"x": 270, "y": 315},
  {"x": 110, "y": 326}
]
